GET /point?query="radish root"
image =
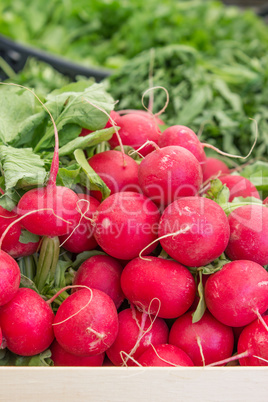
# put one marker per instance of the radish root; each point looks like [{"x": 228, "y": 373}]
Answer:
[{"x": 181, "y": 231}]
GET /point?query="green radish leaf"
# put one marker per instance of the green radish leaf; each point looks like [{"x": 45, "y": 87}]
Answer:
[
  {"x": 41, "y": 360},
  {"x": 20, "y": 115},
  {"x": 89, "y": 178},
  {"x": 89, "y": 140},
  {"x": 218, "y": 192},
  {"x": 239, "y": 202},
  {"x": 21, "y": 168},
  {"x": 10, "y": 199},
  {"x": 88, "y": 109},
  {"x": 27, "y": 283},
  {"x": 59, "y": 280},
  {"x": 69, "y": 176},
  {"x": 28, "y": 237},
  {"x": 201, "y": 307}
]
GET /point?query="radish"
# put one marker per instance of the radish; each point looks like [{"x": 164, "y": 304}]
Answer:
[
  {"x": 135, "y": 130},
  {"x": 249, "y": 234},
  {"x": 147, "y": 114},
  {"x": 11, "y": 243},
  {"x": 80, "y": 238},
  {"x": 158, "y": 286},
  {"x": 125, "y": 223},
  {"x": 86, "y": 323},
  {"x": 9, "y": 277},
  {"x": 205, "y": 341},
  {"x": 62, "y": 358},
  {"x": 194, "y": 231},
  {"x": 101, "y": 272},
  {"x": 236, "y": 293},
  {"x": 118, "y": 173},
  {"x": 214, "y": 167},
  {"x": 137, "y": 331},
  {"x": 1, "y": 338},
  {"x": 239, "y": 187},
  {"x": 50, "y": 210},
  {"x": 165, "y": 356},
  {"x": 265, "y": 201},
  {"x": 254, "y": 340},
  {"x": 169, "y": 173},
  {"x": 26, "y": 321},
  {"x": 186, "y": 138}
]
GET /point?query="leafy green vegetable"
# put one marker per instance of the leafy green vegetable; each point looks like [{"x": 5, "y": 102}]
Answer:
[
  {"x": 214, "y": 96},
  {"x": 28, "y": 237},
  {"x": 107, "y": 33},
  {"x": 20, "y": 115},
  {"x": 77, "y": 104},
  {"x": 90, "y": 179},
  {"x": 21, "y": 167},
  {"x": 8, "y": 358},
  {"x": 69, "y": 176},
  {"x": 201, "y": 307},
  {"x": 89, "y": 140},
  {"x": 10, "y": 199}
]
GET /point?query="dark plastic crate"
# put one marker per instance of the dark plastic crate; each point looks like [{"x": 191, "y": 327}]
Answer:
[{"x": 16, "y": 55}]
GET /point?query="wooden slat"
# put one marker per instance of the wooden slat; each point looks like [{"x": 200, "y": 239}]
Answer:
[{"x": 116, "y": 384}]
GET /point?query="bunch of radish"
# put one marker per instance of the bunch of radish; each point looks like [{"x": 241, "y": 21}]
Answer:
[{"x": 175, "y": 278}]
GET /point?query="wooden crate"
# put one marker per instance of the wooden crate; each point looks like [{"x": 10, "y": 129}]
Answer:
[{"x": 118, "y": 384}]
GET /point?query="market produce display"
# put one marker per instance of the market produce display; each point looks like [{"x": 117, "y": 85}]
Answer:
[{"x": 109, "y": 280}]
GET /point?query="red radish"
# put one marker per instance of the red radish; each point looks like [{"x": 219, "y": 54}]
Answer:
[
  {"x": 1, "y": 338},
  {"x": 11, "y": 243},
  {"x": 86, "y": 323},
  {"x": 214, "y": 167},
  {"x": 26, "y": 321},
  {"x": 80, "y": 238},
  {"x": 236, "y": 293},
  {"x": 137, "y": 331},
  {"x": 50, "y": 210},
  {"x": 205, "y": 341},
  {"x": 62, "y": 358},
  {"x": 135, "y": 130},
  {"x": 125, "y": 223},
  {"x": 143, "y": 113},
  {"x": 157, "y": 283},
  {"x": 186, "y": 138},
  {"x": 249, "y": 234},
  {"x": 55, "y": 208},
  {"x": 114, "y": 115},
  {"x": 239, "y": 187},
  {"x": 169, "y": 173},
  {"x": 203, "y": 231},
  {"x": 9, "y": 277},
  {"x": 118, "y": 173},
  {"x": 265, "y": 201},
  {"x": 254, "y": 339},
  {"x": 101, "y": 272},
  {"x": 165, "y": 356}
]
